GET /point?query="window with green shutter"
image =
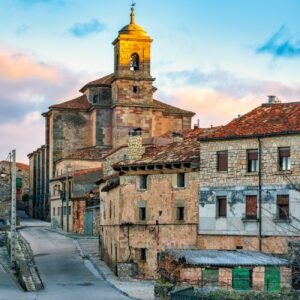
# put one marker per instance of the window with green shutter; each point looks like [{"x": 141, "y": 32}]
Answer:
[
  {"x": 19, "y": 183},
  {"x": 242, "y": 279},
  {"x": 272, "y": 279},
  {"x": 210, "y": 278}
]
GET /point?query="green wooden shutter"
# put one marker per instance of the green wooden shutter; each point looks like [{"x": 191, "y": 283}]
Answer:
[
  {"x": 241, "y": 279},
  {"x": 19, "y": 183},
  {"x": 210, "y": 278},
  {"x": 272, "y": 279}
]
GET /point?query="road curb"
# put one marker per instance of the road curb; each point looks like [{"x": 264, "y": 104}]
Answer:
[{"x": 101, "y": 273}]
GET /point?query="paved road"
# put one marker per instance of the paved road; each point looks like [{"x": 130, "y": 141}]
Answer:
[{"x": 64, "y": 273}]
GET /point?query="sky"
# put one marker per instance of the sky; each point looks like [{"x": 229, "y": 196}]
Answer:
[{"x": 217, "y": 58}]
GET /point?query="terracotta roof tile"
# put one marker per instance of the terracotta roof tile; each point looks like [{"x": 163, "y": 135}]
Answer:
[
  {"x": 265, "y": 120},
  {"x": 171, "y": 109},
  {"x": 19, "y": 165},
  {"x": 77, "y": 103},
  {"x": 90, "y": 153},
  {"x": 103, "y": 81}
]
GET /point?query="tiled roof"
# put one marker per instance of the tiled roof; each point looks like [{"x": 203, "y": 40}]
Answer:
[
  {"x": 171, "y": 109},
  {"x": 186, "y": 151},
  {"x": 91, "y": 153},
  {"x": 20, "y": 166},
  {"x": 103, "y": 81},
  {"x": 77, "y": 103},
  {"x": 226, "y": 258},
  {"x": 265, "y": 120}
]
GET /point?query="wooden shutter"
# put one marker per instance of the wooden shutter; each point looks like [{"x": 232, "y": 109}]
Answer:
[
  {"x": 272, "y": 279},
  {"x": 283, "y": 200},
  {"x": 283, "y": 206},
  {"x": 222, "y": 160},
  {"x": 284, "y": 152},
  {"x": 222, "y": 206},
  {"x": 253, "y": 154},
  {"x": 251, "y": 206}
]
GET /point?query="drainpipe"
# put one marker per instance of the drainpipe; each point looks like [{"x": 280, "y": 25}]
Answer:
[{"x": 260, "y": 194}]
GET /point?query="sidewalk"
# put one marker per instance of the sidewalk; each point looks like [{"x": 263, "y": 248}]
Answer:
[{"x": 88, "y": 248}]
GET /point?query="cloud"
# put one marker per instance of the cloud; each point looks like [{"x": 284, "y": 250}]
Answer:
[
  {"x": 281, "y": 44},
  {"x": 219, "y": 96},
  {"x": 84, "y": 29}
]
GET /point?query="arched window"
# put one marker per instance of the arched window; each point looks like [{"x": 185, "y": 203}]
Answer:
[{"x": 134, "y": 62}]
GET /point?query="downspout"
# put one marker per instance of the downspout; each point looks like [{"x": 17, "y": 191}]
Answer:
[{"x": 260, "y": 194}]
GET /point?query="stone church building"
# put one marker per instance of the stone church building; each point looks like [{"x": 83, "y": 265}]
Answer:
[{"x": 81, "y": 131}]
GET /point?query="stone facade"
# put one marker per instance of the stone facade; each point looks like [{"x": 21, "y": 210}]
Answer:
[
  {"x": 22, "y": 187},
  {"x": 235, "y": 230},
  {"x": 141, "y": 238}
]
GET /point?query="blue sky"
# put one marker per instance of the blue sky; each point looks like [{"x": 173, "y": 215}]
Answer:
[{"x": 218, "y": 58}]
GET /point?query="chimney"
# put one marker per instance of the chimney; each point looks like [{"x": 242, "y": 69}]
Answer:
[
  {"x": 196, "y": 126},
  {"x": 273, "y": 99},
  {"x": 135, "y": 144},
  {"x": 177, "y": 137}
]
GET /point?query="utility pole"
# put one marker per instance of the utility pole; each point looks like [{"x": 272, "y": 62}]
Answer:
[
  {"x": 67, "y": 197},
  {"x": 13, "y": 210}
]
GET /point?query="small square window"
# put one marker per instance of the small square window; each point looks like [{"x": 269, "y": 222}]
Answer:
[
  {"x": 142, "y": 213},
  {"x": 253, "y": 164},
  {"x": 180, "y": 180},
  {"x": 180, "y": 213},
  {"x": 284, "y": 158},
  {"x": 143, "y": 254},
  {"x": 135, "y": 89},
  {"x": 95, "y": 99},
  {"x": 222, "y": 207},
  {"x": 222, "y": 163},
  {"x": 143, "y": 182}
]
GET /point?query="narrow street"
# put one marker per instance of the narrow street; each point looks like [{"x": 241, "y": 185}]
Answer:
[{"x": 64, "y": 273}]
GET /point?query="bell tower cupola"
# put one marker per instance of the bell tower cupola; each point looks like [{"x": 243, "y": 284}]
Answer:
[{"x": 132, "y": 67}]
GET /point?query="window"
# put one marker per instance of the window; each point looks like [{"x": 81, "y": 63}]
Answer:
[
  {"x": 65, "y": 210},
  {"x": 142, "y": 213},
  {"x": 222, "y": 160},
  {"x": 180, "y": 213},
  {"x": 19, "y": 182},
  {"x": 253, "y": 164},
  {"x": 53, "y": 212},
  {"x": 69, "y": 210},
  {"x": 210, "y": 278},
  {"x": 284, "y": 158},
  {"x": 283, "y": 207},
  {"x": 134, "y": 62},
  {"x": 180, "y": 180},
  {"x": 59, "y": 211},
  {"x": 222, "y": 207},
  {"x": 135, "y": 89},
  {"x": 143, "y": 182},
  {"x": 251, "y": 207},
  {"x": 95, "y": 99},
  {"x": 143, "y": 254}
]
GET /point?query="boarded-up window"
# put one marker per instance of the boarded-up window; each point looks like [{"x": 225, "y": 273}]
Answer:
[
  {"x": 221, "y": 207},
  {"x": 284, "y": 158},
  {"x": 143, "y": 182},
  {"x": 180, "y": 180},
  {"x": 142, "y": 213},
  {"x": 252, "y": 156},
  {"x": 210, "y": 278},
  {"x": 242, "y": 279},
  {"x": 251, "y": 207},
  {"x": 222, "y": 157},
  {"x": 272, "y": 279},
  {"x": 283, "y": 207},
  {"x": 180, "y": 213}
]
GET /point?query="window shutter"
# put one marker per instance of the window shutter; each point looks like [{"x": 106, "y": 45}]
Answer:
[
  {"x": 284, "y": 152},
  {"x": 283, "y": 200},
  {"x": 251, "y": 206},
  {"x": 222, "y": 206},
  {"x": 252, "y": 154},
  {"x": 222, "y": 161}
]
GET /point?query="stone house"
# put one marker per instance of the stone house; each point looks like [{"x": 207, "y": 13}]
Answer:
[
  {"x": 250, "y": 180},
  {"x": 149, "y": 204},
  {"x": 22, "y": 186},
  {"x": 239, "y": 270},
  {"x": 67, "y": 194},
  {"x": 108, "y": 107}
]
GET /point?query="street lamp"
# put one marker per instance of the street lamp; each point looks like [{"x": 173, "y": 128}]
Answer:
[{"x": 13, "y": 217}]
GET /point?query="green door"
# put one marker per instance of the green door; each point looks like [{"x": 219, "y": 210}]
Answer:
[
  {"x": 272, "y": 279},
  {"x": 89, "y": 222},
  {"x": 242, "y": 279}
]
